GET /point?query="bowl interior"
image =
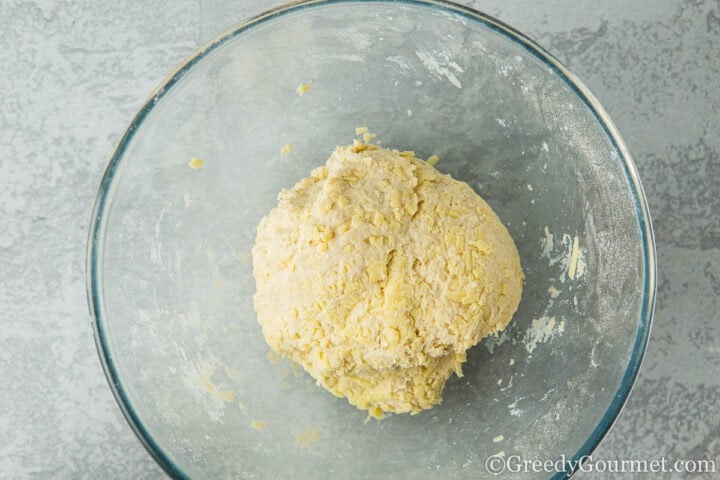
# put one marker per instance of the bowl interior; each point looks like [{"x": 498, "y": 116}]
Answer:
[{"x": 172, "y": 275}]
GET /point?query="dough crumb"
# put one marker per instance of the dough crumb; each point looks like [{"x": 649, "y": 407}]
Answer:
[
  {"x": 274, "y": 357},
  {"x": 376, "y": 273},
  {"x": 258, "y": 425},
  {"x": 367, "y": 137},
  {"x": 286, "y": 149},
  {"x": 195, "y": 163},
  {"x": 303, "y": 88},
  {"x": 227, "y": 396},
  {"x": 306, "y": 438}
]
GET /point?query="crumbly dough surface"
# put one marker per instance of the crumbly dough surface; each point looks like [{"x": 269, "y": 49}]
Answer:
[{"x": 376, "y": 273}]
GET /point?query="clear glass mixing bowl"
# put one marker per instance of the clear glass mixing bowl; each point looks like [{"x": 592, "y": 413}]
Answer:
[{"x": 170, "y": 277}]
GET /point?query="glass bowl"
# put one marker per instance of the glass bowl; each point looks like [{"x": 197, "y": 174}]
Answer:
[{"x": 170, "y": 277}]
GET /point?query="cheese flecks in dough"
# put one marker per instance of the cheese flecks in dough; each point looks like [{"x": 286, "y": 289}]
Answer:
[{"x": 376, "y": 273}]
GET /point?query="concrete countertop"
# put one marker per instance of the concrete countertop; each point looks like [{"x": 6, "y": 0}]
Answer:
[{"x": 73, "y": 74}]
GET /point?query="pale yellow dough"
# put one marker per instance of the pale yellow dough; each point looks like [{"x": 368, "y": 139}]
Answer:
[{"x": 376, "y": 273}]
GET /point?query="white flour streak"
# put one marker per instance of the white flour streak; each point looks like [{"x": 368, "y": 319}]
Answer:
[{"x": 439, "y": 69}]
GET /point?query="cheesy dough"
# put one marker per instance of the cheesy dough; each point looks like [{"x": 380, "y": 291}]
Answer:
[{"x": 376, "y": 273}]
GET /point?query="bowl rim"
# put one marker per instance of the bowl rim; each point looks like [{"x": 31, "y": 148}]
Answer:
[{"x": 94, "y": 245}]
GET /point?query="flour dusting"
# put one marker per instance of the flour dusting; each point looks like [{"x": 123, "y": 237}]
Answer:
[
  {"x": 567, "y": 252},
  {"x": 541, "y": 330},
  {"x": 547, "y": 244},
  {"x": 440, "y": 68},
  {"x": 208, "y": 392}
]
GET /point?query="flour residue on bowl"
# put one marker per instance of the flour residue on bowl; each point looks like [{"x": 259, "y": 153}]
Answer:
[
  {"x": 207, "y": 381},
  {"x": 515, "y": 411},
  {"x": 442, "y": 68},
  {"x": 498, "y": 339},
  {"x": 567, "y": 252},
  {"x": 541, "y": 330},
  {"x": 352, "y": 37},
  {"x": 401, "y": 62}
]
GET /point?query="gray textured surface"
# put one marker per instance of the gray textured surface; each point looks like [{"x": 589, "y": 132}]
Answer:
[{"x": 73, "y": 75}]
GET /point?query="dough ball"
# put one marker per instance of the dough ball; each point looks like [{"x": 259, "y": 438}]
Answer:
[{"x": 376, "y": 273}]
